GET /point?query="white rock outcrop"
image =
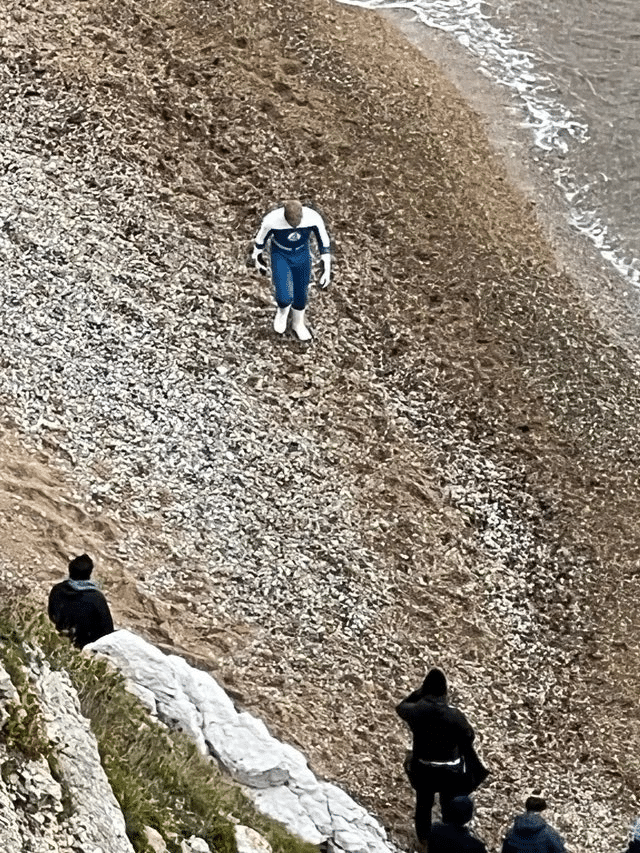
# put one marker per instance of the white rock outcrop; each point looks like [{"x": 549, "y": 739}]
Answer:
[
  {"x": 276, "y": 775},
  {"x": 96, "y": 816},
  {"x": 38, "y": 813},
  {"x": 8, "y": 695}
]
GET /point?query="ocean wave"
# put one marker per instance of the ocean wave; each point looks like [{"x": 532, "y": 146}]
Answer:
[{"x": 554, "y": 128}]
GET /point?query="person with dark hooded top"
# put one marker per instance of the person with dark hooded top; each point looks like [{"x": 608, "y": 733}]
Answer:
[
  {"x": 452, "y": 836},
  {"x": 77, "y": 607},
  {"x": 443, "y": 760},
  {"x": 530, "y": 833}
]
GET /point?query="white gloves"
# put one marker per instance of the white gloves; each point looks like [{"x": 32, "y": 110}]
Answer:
[
  {"x": 325, "y": 278},
  {"x": 259, "y": 264}
]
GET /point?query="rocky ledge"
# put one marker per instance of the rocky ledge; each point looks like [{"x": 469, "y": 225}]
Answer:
[{"x": 276, "y": 775}]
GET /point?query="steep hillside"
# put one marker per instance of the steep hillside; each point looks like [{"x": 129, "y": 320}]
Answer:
[
  {"x": 86, "y": 767},
  {"x": 447, "y": 474}
]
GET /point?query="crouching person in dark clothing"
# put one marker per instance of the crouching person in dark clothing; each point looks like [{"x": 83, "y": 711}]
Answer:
[
  {"x": 453, "y": 836},
  {"x": 77, "y": 607},
  {"x": 443, "y": 760},
  {"x": 530, "y": 833}
]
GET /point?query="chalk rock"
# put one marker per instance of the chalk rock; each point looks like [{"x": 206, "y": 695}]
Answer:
[
  {"x": 8, "y": 695},
  {"x": 250, "y": 841},
  {"x": 30, "y": 799},
  {"x": 276, "y": 775},
  {"x": 10, "y": 835},
  {"x": 145, "y": 696},
  {"x": 194, "y": 845},
  {"x": 155, "y": 840},
  {"x": 96, "y": 822}
]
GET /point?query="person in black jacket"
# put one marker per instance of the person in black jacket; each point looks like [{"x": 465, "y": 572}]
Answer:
[
  {"x": 77, "y": 607},
  {"x": 453, "y": 836},
  {"x": 530, "y": 833},
  {"x": 443, "y": 760}
]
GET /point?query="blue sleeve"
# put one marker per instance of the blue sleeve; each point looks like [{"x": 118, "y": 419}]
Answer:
[{"x": 322, "y": 239}]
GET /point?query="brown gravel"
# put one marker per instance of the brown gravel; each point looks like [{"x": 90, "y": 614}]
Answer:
[{"x": 462, "y": 391}]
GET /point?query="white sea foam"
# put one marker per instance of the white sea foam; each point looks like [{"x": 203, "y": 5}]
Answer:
[{"x": 555, "y": 129}]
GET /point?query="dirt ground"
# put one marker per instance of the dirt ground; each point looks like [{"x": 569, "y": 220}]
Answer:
[{"x": 456, "y": 307}]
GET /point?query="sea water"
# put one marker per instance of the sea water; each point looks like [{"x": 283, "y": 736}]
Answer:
[{"x": 573, "y": 68}]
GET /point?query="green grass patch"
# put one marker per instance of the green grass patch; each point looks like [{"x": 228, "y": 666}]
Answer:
[{"x": 158, "y": 777}]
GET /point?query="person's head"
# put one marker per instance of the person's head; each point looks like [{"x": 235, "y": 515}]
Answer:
[
  {"x": 435, "y": 684},
  {"x": 80, "y": 568},
  {"x": 535, "y": 804},
  {"x": 293, "y": 212},
  {"x": 459, "y": 810}
]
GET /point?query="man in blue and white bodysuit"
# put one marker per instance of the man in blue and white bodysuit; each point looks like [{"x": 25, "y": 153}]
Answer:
[{"x": 289, "y": 228}]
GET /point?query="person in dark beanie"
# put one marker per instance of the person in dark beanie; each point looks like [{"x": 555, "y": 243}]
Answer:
[
  {"x": 530, "y": 833},
  {"x": 77, "y": 607},
  {"x": 443, "y": 760},
  {"x": 452, "y": 836}
]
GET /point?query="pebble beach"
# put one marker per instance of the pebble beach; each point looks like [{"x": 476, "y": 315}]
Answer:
[{"x": 446, "y": 475}]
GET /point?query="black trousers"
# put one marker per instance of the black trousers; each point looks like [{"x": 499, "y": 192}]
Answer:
[{"x": 425, "y": 798}]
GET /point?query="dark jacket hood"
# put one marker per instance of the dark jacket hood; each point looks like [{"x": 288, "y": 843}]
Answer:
[
  {"x": 460, "y": 810},
  {"x": 435, "y": 684},
  {"x": 528, "y": 825},
  {"x": 74, "y": 589}
]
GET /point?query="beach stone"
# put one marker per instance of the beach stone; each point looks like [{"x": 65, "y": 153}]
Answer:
[{"x": 250, "y": 841}]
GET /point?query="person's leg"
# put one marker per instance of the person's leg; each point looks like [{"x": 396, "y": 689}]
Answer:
[
  {"x": 450, "y": 785},
  {"x": 424, "y": 805},
  {"x": 282, "y": 281},
  {"x": 301, "y": 273}
]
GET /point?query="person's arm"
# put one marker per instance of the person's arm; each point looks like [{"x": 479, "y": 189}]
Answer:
[
  {"x": 507, "y": 847},
  {"x": 106, "y": 620},
  {"x": 325, "y": 278},
  {"x": 557, "y": 841},
  {"x": 408, "y": 709},
  {"x": 324, "y": 246},
  {"x": 53, "y": 606},
  {"x": 259, "y": 245},
  {"x": 466, "y": 732}
]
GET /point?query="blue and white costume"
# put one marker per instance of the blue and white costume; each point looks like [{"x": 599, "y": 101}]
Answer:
[{"x": 291, "y": 255}]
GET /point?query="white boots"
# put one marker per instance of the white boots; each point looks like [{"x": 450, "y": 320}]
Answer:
[
  {"x": 297, "y": 323},
  {"x": 298, "y": 326},
  {"x": 280, "y": 320}
]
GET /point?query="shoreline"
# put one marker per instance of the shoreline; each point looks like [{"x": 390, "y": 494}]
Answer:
[{"x": 615, "y": 301}]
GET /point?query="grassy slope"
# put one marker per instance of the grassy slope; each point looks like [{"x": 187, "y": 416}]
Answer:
[{"x": 158, "y": 777}]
